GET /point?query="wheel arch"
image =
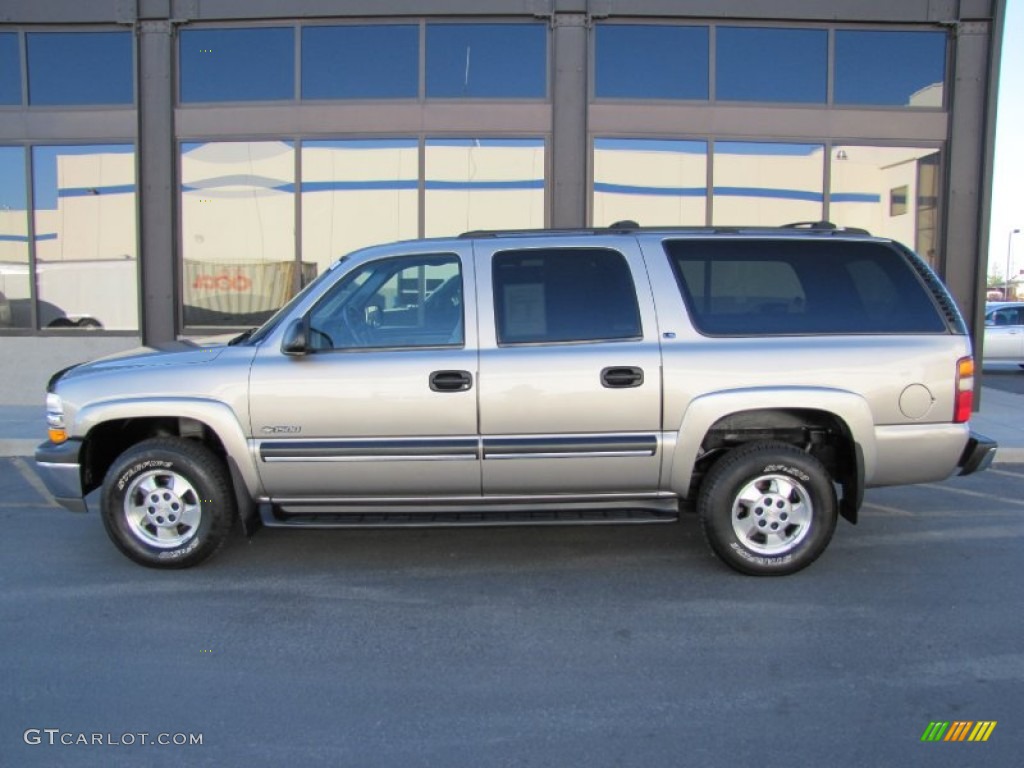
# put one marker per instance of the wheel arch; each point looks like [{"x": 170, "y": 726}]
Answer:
[
  {"x": 112, "y": 428},
  {"x": 835, "y": 425}
]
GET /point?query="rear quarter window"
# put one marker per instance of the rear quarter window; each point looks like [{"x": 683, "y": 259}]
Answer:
[{"x": 800, "y": 287}]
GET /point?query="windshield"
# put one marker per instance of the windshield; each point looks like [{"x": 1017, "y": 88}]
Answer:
[{"x": 257, "y": 335}]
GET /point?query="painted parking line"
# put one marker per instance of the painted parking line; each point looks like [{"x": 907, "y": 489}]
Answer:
[
  {"x": 975, "y": 494},
  {"x": 29, "y": 475}
]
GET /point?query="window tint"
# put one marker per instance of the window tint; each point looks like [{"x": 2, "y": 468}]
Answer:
[
  {"x": 407, "y": 302},
  {"x": 67, "y": 68},
  {"x": 361, "y": 62},
  {"x": 637, "y": 61},
  {"x": 771, "y": 65},
  {"x": 754, "y": 288},
  {"x": 10, "y": 69},
  {"x": 237, "y": 64},
  {"x": 1005, "y": 316},
  {"x": 486, "y": 61},
  {"x": 890, "y": 68},
  {"x": 564, "y": 294}
]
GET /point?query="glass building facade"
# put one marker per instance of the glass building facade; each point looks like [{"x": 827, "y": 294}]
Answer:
[{"x": 188, "y": 168}]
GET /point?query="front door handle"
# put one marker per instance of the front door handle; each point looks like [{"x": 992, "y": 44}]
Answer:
[
  {"x": 622, "y": 377},
  {"x": 451, "y": 381}
]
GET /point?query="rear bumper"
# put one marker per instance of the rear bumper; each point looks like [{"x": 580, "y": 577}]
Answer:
[
  {"x": 60, "y": 471},
  {"x": 978, "y": 454}
]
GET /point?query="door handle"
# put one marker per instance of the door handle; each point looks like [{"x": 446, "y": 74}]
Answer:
[
  {"x": 622, "y": 377},
  {"x": 451, "y": 381}
]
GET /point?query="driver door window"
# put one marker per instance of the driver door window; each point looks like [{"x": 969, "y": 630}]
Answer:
[{"x": 414, "y": 301}]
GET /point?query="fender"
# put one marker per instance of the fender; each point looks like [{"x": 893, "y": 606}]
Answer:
[
  {"x": 216, "y": 415},
  {"x": 705, "y": 410}
]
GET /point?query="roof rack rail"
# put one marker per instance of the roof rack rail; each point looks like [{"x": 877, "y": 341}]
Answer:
[
  {"x": 628, "y": 226},
  {"x": 825, "y": 226}
]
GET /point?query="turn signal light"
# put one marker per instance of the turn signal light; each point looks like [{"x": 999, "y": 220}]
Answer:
[
  {"x": 57, "y": 435},
  {"x": 964, "y": 390}
]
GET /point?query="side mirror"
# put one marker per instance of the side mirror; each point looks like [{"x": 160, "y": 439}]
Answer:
[{"x": 296, "y": 338}]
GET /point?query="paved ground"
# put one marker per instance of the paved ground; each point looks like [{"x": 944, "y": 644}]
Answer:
[{"x": 569, "y": 647}]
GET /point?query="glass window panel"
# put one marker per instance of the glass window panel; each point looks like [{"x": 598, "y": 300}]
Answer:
[
  {"x": 361, "y": 62},
  {"x": 407, "y": 302},
  {"x": 771, "y": 65},
  {"x": 483, "y": 184},
  {"x": 904, "y": 69},
  {"x": 357, "y": 193},
  {"x": 15, "y": 296},
  {"x": 255, "y": 64},
  {"x": 238, "y": 231},
  {"x": 765, "y": 184},
  {"x": 737, "y": 288},
  {"x": 70, "y": 68},
  {"x": 85, "y": 236},
  {"x": 486, "y": 61},
  {"x": 564, "y": 294},
  {"x": 863, "y": 182},
  {"x": 10, "y": 69},
  {"x": 650, "y": 181},
  {"x": 637, "y": 61}
]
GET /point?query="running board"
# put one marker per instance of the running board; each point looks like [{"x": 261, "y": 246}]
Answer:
[{"x": 276, "y": 518}]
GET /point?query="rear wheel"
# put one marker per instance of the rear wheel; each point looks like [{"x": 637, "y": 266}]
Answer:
[
  {"x": 768, "y": 508},
  {"x": 167, "y": 503}
]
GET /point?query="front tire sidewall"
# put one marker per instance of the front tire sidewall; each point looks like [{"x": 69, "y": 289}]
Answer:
[
  {"x": 739, "y": 468},
  {"x": 203, "y": 471}
]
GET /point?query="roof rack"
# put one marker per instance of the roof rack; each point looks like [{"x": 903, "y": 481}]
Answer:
[{"x": 627, "y": 227}]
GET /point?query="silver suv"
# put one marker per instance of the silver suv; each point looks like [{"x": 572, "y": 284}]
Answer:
[{"x": 764, "y": 377}]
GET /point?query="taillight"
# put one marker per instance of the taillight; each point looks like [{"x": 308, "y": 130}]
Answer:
[{"x": 964, "y": 390}]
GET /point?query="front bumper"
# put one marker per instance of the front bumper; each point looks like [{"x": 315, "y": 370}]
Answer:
[
  {"x": 60, "y": 470},
  {"x": 978, "y": 454}
]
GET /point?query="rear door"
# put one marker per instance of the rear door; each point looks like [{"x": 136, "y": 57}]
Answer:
[{"x": 570, "y": 369}]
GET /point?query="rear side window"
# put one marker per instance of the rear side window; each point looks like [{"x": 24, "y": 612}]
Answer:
[
  {"x": 779, "y": 287},
  {"x": 555, "y": 295}
]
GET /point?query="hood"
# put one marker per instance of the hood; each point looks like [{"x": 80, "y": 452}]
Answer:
[{"x": 172, "y": 353}]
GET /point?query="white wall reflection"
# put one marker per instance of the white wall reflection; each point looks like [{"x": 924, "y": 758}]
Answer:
[{"x": 86, "y": 237}]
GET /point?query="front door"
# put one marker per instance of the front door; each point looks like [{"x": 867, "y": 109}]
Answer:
[{"x": 385, "y": 402}]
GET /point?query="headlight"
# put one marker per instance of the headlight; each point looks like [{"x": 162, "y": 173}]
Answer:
[{"x": 56, "y": 428}]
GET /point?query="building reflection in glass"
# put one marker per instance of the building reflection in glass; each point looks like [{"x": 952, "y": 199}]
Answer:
[
  {"x": 15, "y": 294},
  {"x": 483, "y": 184},
  {"x": 86, "y": 236},
  {"x": 238, "y": 231},
  {"x": 767, "y": 184},
  {"x": 653, "y": 182},
  {"x": 357, "y": 193}
]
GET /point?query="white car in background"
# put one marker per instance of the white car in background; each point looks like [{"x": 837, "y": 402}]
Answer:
[{"x": 1004, "y": 332}]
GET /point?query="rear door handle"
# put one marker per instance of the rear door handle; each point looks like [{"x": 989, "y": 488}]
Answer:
[
  {"x": 622, "y": 377},
  {"x": 451, "y": 381}
]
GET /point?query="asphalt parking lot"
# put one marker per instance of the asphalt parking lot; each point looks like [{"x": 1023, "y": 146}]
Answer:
[{"x": 518, "y": 647}]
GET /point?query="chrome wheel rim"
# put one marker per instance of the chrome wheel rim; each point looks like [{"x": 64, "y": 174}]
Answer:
[
  {"x": 772, "y": 514},
  {"x": 162, "y": 509}
]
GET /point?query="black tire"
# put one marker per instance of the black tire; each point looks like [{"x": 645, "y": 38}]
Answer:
[
  {"x": 768, "y": 508},
  {"x": 168, "y": 503}
]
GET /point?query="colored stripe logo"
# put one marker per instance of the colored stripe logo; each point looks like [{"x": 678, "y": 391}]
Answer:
[{"x": 959, "y": 730}]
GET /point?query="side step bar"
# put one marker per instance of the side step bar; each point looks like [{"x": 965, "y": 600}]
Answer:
[{"x": 273, "y": 517}]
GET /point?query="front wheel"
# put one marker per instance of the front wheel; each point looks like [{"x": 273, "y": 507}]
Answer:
[
  {"x": 768, "y": 508},
  {"x": 167, "y": 503}
]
